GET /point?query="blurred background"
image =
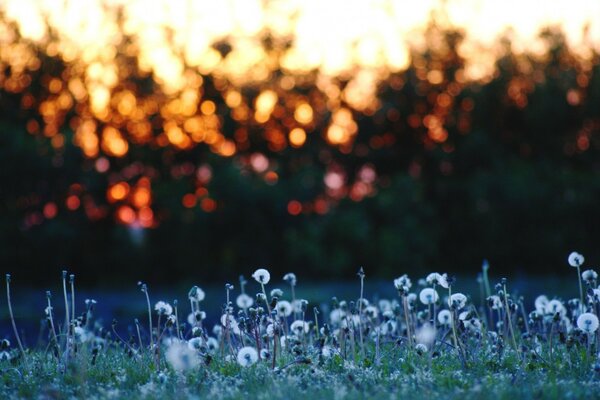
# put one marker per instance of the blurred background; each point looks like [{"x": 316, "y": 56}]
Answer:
[{"x": 197, "y": 140}]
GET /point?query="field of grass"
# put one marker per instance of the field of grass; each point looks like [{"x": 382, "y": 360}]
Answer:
[{"x": 426, "y": 340}]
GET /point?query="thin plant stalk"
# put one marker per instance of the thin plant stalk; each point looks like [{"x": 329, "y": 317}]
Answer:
[{"x": 12, "y": 318}]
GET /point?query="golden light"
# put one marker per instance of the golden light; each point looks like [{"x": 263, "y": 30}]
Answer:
[
  {"x": 297, "y": 137},
  {"x": 118, "y": 191},
  {"x": 303, "y": 113}
]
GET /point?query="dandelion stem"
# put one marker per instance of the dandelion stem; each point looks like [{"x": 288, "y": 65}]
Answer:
[
  {"x": 581, "y": 303},
  {"x": 12, "y": 318}
]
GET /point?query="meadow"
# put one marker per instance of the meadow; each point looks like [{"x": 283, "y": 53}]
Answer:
[{"x": 265, "y": 341}]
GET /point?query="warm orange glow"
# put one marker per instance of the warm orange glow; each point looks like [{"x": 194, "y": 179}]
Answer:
[
  {"x": 141, "y": 197},
  {"x": 297, "y": 137},
  {"x": 304, "y": 113},
  {"x": 126, "y": 215},
  {"x": 113, "y": 142},
  {"x": 118, "y": 191}
]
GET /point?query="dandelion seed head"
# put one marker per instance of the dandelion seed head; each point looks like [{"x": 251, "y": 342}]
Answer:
[
  {"x": 181, "y": 357},
  {"x": 163, "y": 308},
  {"x": 575, "y": 259},
  {"x": 247, "y": 356},
  {"x": 587, "y": 322},
  {"x": 262, "y": 276},
  {"x": 244, "y": 301},
  {"x": 428, "y": 296}
]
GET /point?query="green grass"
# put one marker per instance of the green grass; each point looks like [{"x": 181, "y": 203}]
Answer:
[{"x": 115, "y": 375}]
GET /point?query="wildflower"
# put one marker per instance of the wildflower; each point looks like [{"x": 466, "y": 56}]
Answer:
[
  {"x": 261, "y": 276},
  {"x": 196, "y": 294},
  {"x": 437, "y": 279},
  {"x": 385, "y": 305},
  {"x": 284, "y": 308},
  {"x": 421, "y": 349},
  {"x": 403, "y": 283},
  {"x": 587, "y": 322},
  {"x": 264, "y": 354},
  {"x": 299, "y": 326},
  {"x": 555, "y": 306},
  {"x": 425, "y": 335},
  {"x": 196, "y": 343},
  {"x": 163, "y": 308},
  {"x": 589, "y": 275},
  {"x": 575, "y": 259},
  {"x": 196, "y": 317},
  {"x": 290, "y": 278},
  {"x": 457, "y": 301},
  {"x": 247, "y": 356},
  {"x": 5, "y": 356},
  {"x": 371, "y": 312},
  {"x": 445, "y": 317},
  {"x": 428, "y": 296},
  {"x": 212, "y": 344},
  {"x": 411, "y": 299},
  {"x": 276, "y": 293},
  {"x": 81, "y": 335},
  {"x": 495, "y": 302},
  {"x": 540, "y": 304},
  {"x": 181, "y": 357},
  {"x": 244, "y": 301}
]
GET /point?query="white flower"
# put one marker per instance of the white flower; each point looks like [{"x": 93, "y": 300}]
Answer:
[
  {"x": 195, "y": 317},
  {"x": 445, "y": 317},
  {"x": 384, "y": 305},
  {"x": 264, "y": 354},
  {"x": 420, "y": 348},
  {"x": 540, "y": 304},
  {"x": 328, "y": 351},
  {"x": 196, "y": 294},
  {"x": 335, "y": 316},
  {"x": 181, "y": 357},
  {"x": 81, "y": 335},
  {"x": 290, "y": 278},
  {"x": 495, "y": 302},
  {"x": 371, "y": 311},
  {"x": 555, "y": 306},
  {"x": 589, "y": 275},
  {"x": 247, "y": 356},
  {"x": 244, "y": 301},
  {"x": 575, "y": 259},
  {"x": 428, "y": 296},
  {"x": 425, "y": 335},
  {"x": 284, "y": 308},
  {"x": 4, "y": 356},
  {"x": 163, "y": 308},
  {"x": 457, "y": 301},
  {"x": 403, "y": 282},
  {"x": 437, "y": 279},
  {"x": 196, "y": 343},
  {"x": 299, "y": 326},
  {"x": 587, "y": 322},
  {"x": 262, "y": 276},
  {"x": 212, "y": 344}
]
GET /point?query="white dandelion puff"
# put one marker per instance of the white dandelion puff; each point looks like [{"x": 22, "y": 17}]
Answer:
[
  {"x": 181, "y": 357},
  {"x": 428, "y": 296},
  {"x": 575, "y": 259},
  {"x": 247, "y": 356},
  {"x": 163, "y": 308},
  {"x": 244, "y": 301},
  {"x": 587, "y": 322},
  {"x": 262, "y": 276}
]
